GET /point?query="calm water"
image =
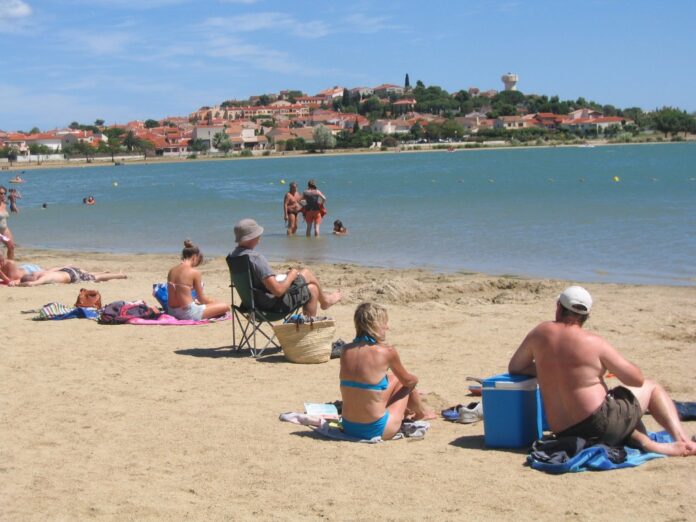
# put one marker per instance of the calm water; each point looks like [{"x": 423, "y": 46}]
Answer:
[{"x": 536, "y": 212}]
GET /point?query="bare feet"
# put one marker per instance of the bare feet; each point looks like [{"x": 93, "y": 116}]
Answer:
[
  {"x": 672, "y": 449},
  {"x": 331, "y": 299}
]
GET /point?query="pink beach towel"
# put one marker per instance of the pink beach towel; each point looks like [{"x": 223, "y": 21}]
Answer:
[{"x": 168, "y": 320}]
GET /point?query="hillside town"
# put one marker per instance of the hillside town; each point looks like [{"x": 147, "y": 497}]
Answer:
[{"x": 387, "y": 115}]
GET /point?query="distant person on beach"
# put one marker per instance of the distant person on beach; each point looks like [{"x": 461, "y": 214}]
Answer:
[
  {"x": 376, "y": 410},
  {"x": 13, "y": 195},
  {"x": 184, "y": 278},
  {"x": 89, "y": 200},
  {"x": 5, "y": 232},
  {"x": 279, "y": 292},
  {"x": 67, "y": 275},
  {"x": 339, "y": 229},
  {"x": 570, "y": 364},
  {"x": 291, "y": 208},
  {"x": 45, "y": 205},
  {"x": 313, "y": 207}
]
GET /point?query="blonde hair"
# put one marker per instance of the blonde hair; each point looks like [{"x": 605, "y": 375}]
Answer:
[{"x": 368, "y": 318}]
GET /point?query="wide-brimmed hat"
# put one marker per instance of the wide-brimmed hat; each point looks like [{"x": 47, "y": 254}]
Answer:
[
  {"x": 576, "y": 299},
  {"x": 247, "y": 229}
]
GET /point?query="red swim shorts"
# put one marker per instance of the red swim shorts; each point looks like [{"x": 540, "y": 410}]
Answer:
[{"x": 313, "y": 216}]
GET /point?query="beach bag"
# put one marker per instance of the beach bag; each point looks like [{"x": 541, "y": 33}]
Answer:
[
  {"x": 307, "y": 342},
  {"x": 88, "y": 299},
  {"x": 120, "y": 312},
  {"x": 161, "y": 293}
]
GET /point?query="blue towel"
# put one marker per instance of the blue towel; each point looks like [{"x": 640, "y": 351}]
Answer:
[
  {"x": 595, "y": 458},
  {"x": 79, "y": 313}
]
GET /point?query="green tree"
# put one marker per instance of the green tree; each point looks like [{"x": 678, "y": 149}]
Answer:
[
  {"x": 417, "y": 131},
  {"x": 198, "y": 145},
  {"x": 407, "y": 83},
  {"x": 74, "y": 125},
  {"x": 113, "y": 132},
  {"x": 451, "y": 129},
  {"x": 113, "y": 146},
  {"x": 98, "y": 123},
  {"x": 323, "y": 139},
  {"x": 150, "y": 124},
  {"x": 34, "y": 130},
  {"x": 672, "y": 121},
  {"x": 37, "y": 149},
  {"x": 145, "y": 147},
  {"x": 221, "y": 141},
  {"x": 130, "y": 141}
]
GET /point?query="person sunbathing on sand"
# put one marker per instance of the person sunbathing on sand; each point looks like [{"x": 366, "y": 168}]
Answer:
[
  {"x": 184, "y": 278},
  {"x": 283, "y": 292},
  {"x": 570, "y": 364},
  {"x": 66, "y": 275},
  {"x": 376, "y": 410}
]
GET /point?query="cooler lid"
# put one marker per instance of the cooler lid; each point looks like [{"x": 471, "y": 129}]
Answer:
[{"x": 507, "y": 381}]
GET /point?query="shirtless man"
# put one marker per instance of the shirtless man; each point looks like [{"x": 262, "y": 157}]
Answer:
[
  {"x": 291, "y": 208},
  {"x": 279, "y": 292},
  {"x": 67, "y": 275},
  {"x": 570, "y": 364}
]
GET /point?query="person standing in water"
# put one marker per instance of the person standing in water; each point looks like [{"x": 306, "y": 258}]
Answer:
[
  {"x": 291, "y": 208},
  {"x": 314, "y": 209}
]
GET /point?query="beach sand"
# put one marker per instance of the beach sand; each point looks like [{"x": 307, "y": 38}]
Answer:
[{"x": 166, "y": 423}]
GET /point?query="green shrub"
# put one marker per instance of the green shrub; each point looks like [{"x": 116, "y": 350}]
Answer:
[
  {"x": 192, "y": 156},
  {"x": 246, "y": 153}
]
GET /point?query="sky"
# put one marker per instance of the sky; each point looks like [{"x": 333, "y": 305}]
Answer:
[{"x": 121, "y": 60}]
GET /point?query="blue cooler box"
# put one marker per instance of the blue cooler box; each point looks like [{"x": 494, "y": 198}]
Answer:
[{"x": 513, "y": 415}]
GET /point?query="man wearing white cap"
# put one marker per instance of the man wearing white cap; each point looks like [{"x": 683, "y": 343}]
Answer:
[
  {"x": 570, "y": 364},
  {"x": 279, "y": 292}
]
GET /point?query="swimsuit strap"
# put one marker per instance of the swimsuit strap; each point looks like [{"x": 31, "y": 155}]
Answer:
[{"x": 365, "y": 339}]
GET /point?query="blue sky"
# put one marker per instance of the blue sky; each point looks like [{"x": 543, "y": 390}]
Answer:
[{"x": 119, "y": 60}]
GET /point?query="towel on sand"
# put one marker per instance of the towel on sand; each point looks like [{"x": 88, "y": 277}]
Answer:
[
  {"x": 588, "y": 458},
  {"x": 330, "y": 429},
  {"x": 168, "y": 320},
  {"x": 59, "y": 312}
]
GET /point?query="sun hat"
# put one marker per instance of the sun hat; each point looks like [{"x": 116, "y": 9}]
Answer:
[
  {"x": 247, "y": 229},
  {"x": 576, "y": 299}
]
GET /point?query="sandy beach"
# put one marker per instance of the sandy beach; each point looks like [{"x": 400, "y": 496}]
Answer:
[{"x": 167, "y": 423}]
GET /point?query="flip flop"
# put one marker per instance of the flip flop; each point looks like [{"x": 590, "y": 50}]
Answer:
[{"x": 451, "y": 414}]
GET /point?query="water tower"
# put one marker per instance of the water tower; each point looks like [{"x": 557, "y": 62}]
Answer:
[{"x": 510, "y": 81}]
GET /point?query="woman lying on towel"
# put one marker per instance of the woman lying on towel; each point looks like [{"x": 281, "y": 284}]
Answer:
[
  {"x": 376, "y": 410},
  {"x": 181, "y": 280}
]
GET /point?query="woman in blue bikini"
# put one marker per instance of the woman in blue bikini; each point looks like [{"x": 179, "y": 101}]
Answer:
[{"x": 374, "y": 402}]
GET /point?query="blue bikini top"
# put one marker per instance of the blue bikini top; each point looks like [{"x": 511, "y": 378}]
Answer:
[{"x": 381, "y": 385}]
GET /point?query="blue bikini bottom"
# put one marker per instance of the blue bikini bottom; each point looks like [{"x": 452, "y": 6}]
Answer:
[{"x": 366, "y": 430}]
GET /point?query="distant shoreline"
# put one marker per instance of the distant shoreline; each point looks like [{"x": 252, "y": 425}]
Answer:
[{"x": 438, "y": 147}]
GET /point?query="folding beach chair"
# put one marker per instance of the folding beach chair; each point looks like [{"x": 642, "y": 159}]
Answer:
[{"x": 254, "y": 318}]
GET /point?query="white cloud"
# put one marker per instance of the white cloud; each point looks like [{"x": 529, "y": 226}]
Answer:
[
  {"x": 360, "y": 23},
  {"x": 253, "y": 22},
  {"x": 98, "y": 43},
  {"x": 13, "y": 15}
]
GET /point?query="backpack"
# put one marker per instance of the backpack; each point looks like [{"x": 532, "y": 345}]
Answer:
[{"x": 120, "y": 312}]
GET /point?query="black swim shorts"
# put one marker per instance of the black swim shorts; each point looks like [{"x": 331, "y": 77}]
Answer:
[
  {"x": 76, "y": 274},
  {"x": 613, "y": 422},
  {"x": 297, "y": 295}
]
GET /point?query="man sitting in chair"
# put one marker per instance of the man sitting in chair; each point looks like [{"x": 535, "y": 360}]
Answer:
[{"x": 279, "y": 292}]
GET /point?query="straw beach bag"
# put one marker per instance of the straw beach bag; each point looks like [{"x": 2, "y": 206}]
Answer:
[{"x": 306, "y": 343}]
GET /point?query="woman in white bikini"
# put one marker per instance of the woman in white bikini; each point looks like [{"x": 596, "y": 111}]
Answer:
[{"x": 181, "y": 280}]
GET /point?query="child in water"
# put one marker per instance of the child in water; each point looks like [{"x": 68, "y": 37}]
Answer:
[
  {"x": 339, "y": 229},
  {"x": 13, "y": 195}
]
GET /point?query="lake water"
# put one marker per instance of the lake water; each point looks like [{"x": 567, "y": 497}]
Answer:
[{"x": 554, "y": 212}]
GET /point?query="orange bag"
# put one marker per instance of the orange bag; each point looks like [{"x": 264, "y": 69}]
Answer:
[{"x": 88, "y": 299}]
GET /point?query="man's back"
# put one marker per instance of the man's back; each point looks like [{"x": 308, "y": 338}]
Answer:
[{"x": 569, "y": 369}]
